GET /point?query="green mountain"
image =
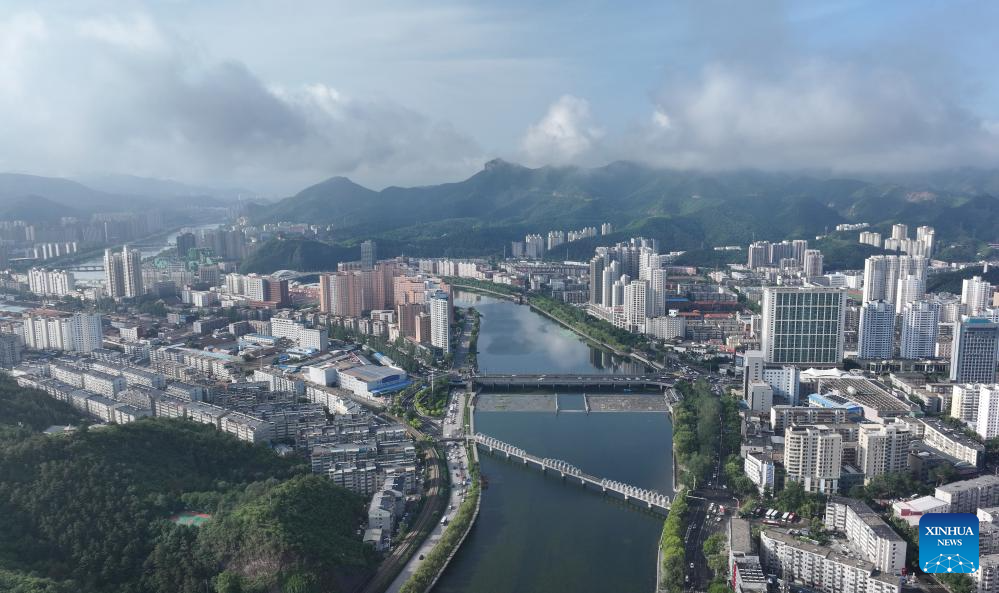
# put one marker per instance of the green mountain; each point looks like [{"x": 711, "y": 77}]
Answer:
[{"x": 686, "y": 210}]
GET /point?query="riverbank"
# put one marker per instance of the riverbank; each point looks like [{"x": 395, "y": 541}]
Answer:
[{"x": 437, "y": 560}]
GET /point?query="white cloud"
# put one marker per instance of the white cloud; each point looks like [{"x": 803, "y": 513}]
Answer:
[
  {"x": 565, "y": 134},
  {"x": 123, "y": 96},
  {"x": 810, "y": 114}
]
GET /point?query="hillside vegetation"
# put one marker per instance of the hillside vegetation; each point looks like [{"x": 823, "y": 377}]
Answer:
[
  {"x": 685, "y": 210},
  {"x": 90, "y": 512}
]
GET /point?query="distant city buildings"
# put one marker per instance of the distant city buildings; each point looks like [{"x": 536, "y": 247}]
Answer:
[{"x": 77, "y": 332}]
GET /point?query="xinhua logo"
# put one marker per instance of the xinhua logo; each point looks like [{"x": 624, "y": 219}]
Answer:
[{"x": 948, "y": 542}]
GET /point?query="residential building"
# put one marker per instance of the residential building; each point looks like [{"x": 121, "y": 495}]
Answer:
[
  {"x": 976, "y": 295},
  {"x": 987, "y": 423},
  {"x": 866, "y": 533},
  {"x": 79, "y": 332},
  {"x": 877, "y": 330},
  {"x": 883, "y": 448},
  {"x": 964, "y": 402},
  {"x": 812, "y": 263},
  {"x": 803, "y": 326},
  {"x": 968, "y": 496},
  {"x": 51, "y": 282},
  {"x": 920, "y": 326},
  {"x": 813, "y": 456},
  {"x": 440, "y": 321},
  {"x": 10, "y": 350},
  {"x": 819, "y": 567}
]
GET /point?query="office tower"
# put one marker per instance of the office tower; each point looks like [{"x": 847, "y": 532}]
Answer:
[
  {"x": 759, "y": 254},
  {"x": 974, "y": 351},
  {"x": 883, "y": 449},
  {"x": 636, "y": 305},
  {"x": 976, "y": 295},
  {"x": 812, "y": 263},
  {"x": 131, "y": 269},
  {"x": 813, "y": 456},
  {"x": 877, "y": 330},
  {"x": 185, "y": 242},
  {"x": 596, "y": 280},
  {"x": 899, "y": 232},
  {"x": 920, "y": 326},
  {"x": 369, "y": 254},
  {"x": 987, "y": 423},
  {"x": 277, "y": 293},
  {"x": 803, "y": 325},
  {"x": 114, "y": 274},
  {"x": 440, "y": 321},
  {"x": 910, "y": 288}
]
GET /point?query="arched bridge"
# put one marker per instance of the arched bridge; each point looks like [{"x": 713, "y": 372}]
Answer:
[
  {"x": 570, "y": 381},
  {"x": 649, "y": 499}
]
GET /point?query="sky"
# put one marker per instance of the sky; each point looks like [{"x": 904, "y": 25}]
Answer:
[{"x": 275, "y": 96}]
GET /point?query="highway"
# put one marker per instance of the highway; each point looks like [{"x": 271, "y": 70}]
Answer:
[{"x": 457, "y": 465}]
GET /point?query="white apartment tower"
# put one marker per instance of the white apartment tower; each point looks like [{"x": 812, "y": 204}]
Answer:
[
  {"x": 636, "y": 305},
  {"x": 920, "y": 328},
  {"x": 883, "y": 449},
  {"x": 812, "y": 263},
  {"x": 976, "y": 295},
  {"x": 813, "y": 456},
  {"x": 987, "y": 423},
  {"x": 877, "y": 330},
  {"x": 803, "y": 325},
  {"x": 440, "y": 328}
]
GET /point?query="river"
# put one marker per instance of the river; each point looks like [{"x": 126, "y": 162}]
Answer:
[
  {"x": 536, "y": 534},
  {"x": 162, "y": 245}
]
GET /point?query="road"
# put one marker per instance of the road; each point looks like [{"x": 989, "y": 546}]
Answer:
[{"x": 457, "y": 465}]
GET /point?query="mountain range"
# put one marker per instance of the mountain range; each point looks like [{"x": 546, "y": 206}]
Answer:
[
  {"x": 37, "y": 198},
  {"x": 684, "y": 209}
]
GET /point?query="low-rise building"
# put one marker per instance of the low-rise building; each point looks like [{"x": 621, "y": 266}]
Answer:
[
  {"x": 968, "y": 496},
  {"x": 820, "y": 568},
  {"x": 866, "y": 533}
]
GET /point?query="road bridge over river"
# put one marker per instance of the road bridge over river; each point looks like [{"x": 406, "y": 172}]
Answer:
[
  {"x": 570, "y": 381},
  {"x": 641, "y": 497}
]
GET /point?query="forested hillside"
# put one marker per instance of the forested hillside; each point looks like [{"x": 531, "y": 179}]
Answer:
[{"x": 91, "y": 512}]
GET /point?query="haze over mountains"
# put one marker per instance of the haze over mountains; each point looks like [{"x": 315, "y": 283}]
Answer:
[{"x": 37, "y": 198}]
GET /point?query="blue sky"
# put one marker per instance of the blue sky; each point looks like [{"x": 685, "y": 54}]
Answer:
[{"x": 279, "y": 95}]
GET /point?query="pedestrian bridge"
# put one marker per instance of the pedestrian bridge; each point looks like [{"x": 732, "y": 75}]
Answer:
[
  {"x": 649, "y": 499},
  {"x": 570, "y": 381}
]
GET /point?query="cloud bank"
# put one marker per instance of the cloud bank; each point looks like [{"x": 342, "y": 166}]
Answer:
[{"x": 121, "y": 95}]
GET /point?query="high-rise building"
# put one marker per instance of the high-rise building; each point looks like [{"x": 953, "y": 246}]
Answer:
[
  {"x": 79, "y": 332},
  {"x": 114, "y": 274},
  {"x": 812, "y": 263},
  {"x": 534, "y": 246},
  {"x": 596, "y": 280},
  {"x": 10, "y": 350},
  {"x": 882, "y": 272},
  {"x": 976, "y": 295},
  {"x": 813, "y": 456},
  {"x": 636, "y": 305},
  {"x": 920, "y": 327},
  {"x": 440, "y": 317},
  {"x": 910, "y": 288},
  {"x": 987, "y": 422},
  {"x": 185, "y": 242},
  {"x": 899, "y": 231},
  {"x": 877, "y": 330},
  {"x": 51, "y": 282},
  {"x": 612, "y": 272},
  {"x": 927, "y": 236},
  {"x": 964, "y": 402},
  {"x": 759, "y": 255},
  {"x": 974, "y": 351},
  {"x": 803, "y": 325},
  {"x": 883, "y": 449},
  {"x": 369, "y": 254},
  {"x": 798, "y": 248}
]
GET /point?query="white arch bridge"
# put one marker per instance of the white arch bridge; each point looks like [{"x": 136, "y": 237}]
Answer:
[{"x": 642, "y": 497}]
